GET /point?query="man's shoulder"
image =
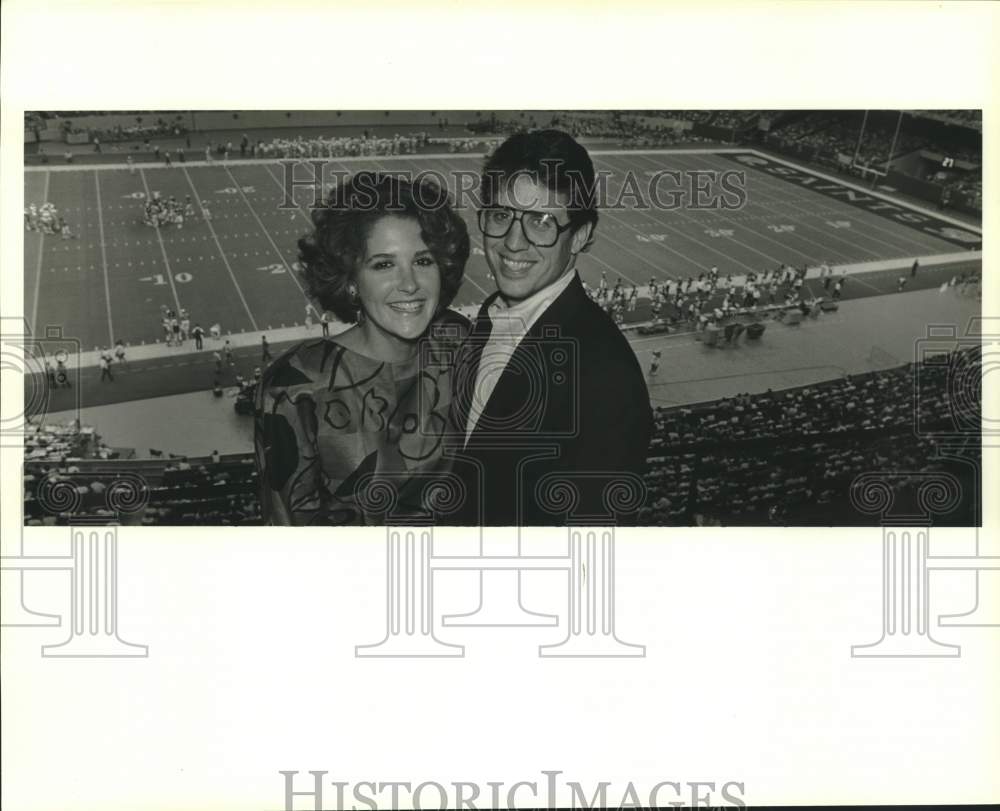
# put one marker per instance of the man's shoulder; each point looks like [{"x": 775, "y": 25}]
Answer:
[{"x": 595, "y": 330}]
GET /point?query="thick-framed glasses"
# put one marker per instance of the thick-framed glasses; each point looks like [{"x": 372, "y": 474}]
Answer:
[{"x": 540, "y": 228}]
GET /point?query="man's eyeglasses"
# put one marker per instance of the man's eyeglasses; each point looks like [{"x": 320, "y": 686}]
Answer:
[{"x": 540, "y": 228}]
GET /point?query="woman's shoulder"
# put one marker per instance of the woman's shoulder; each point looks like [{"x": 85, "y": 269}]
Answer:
[{"x": 302, "y": 364}]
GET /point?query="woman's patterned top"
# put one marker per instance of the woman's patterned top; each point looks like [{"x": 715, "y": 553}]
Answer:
[{"x": 341, "y": 438}]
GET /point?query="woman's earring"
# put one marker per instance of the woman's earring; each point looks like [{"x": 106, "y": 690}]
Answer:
[{"x": 356, "y": 301}]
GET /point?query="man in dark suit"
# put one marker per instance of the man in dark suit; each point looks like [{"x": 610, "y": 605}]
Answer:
[{"x": 551, "y": 413}]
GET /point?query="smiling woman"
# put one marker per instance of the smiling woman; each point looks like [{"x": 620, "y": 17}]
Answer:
[{"x": 336, "y": 417}]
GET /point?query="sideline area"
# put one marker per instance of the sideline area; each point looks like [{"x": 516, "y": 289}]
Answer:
[
  {"x": 299, "y": 332},
  {"x": 866, "y": 334}
]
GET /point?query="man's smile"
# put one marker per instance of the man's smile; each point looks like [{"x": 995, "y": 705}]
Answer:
[{"x": 514, "y": 266}]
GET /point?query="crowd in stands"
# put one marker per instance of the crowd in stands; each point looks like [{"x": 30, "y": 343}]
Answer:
[
  {"x": 822, "y": 132},
  {"x": 759, "y": 458},
  {"x": 696, "y": 116},
  {"x": 63, "y": 443},
  {"x": 785, "y": 456},
  {"x": 323, "y": 147},
  {"x": 208, "y": 493},
  {"x": 38, "y": 121},
  {"x": 734, "y": 119},
  {"x": 832, "y": 134},
  {"x": 466, "y": 145},
  {"x": 964, "y": 118},
  {"x": 212, "y": 491},
  {"x": 138, "y": 131}
]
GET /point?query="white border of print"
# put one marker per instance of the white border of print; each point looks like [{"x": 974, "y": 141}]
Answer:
[{"x": 747, "y": 674}]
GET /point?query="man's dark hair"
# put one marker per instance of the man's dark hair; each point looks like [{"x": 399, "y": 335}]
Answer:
[{"x": 553, "y": 159}]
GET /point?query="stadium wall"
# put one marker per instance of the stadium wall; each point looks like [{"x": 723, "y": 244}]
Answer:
[{"x": 260, "y": 119}]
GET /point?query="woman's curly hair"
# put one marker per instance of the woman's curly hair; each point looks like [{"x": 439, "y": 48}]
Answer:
[{"x": 330, "y": 255}]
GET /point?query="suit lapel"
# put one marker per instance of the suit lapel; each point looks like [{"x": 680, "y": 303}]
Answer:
[{"x": 515, "y": 388}]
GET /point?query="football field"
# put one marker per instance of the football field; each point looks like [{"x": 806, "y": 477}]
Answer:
[{"x": 237, "y": 270}]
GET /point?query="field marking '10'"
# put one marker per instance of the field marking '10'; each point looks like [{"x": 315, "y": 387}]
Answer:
[{"x": 158, "y": 278}]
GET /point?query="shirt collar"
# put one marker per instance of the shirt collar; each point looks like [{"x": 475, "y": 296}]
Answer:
[{"x": 537, "y": 300}]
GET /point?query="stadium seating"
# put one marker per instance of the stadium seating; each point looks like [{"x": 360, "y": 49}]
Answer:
[
  {"x": 773, "y": 457},
  {"x": 786, "y": 456},
  {"x": 175, "y": 492}
]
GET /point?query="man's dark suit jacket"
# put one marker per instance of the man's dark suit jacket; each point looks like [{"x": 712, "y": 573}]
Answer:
[{"x": 564, "y": 435}]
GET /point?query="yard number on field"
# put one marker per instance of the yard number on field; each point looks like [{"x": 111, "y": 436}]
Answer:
[
  {"x": 158, "y": 278},
  {"x": 234, "y": 190},
  {"x": 719, "y": 232},
  {"x": 782, "y": 229}
]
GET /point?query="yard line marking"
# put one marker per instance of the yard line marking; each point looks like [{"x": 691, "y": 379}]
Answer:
[
  {"x": 222, "y": 253},
  {"x": 33, "y": 326},
  {"x": 908, "y": 235},
  {"x": 163, "y": 249},
  {"x": 267, "y": 234},
  {"x": 865, "y": 220},
  {"x": 690, "y": 237},
  {"x": 104, "y": 259},
  {"x": 811, "y": 245}
]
